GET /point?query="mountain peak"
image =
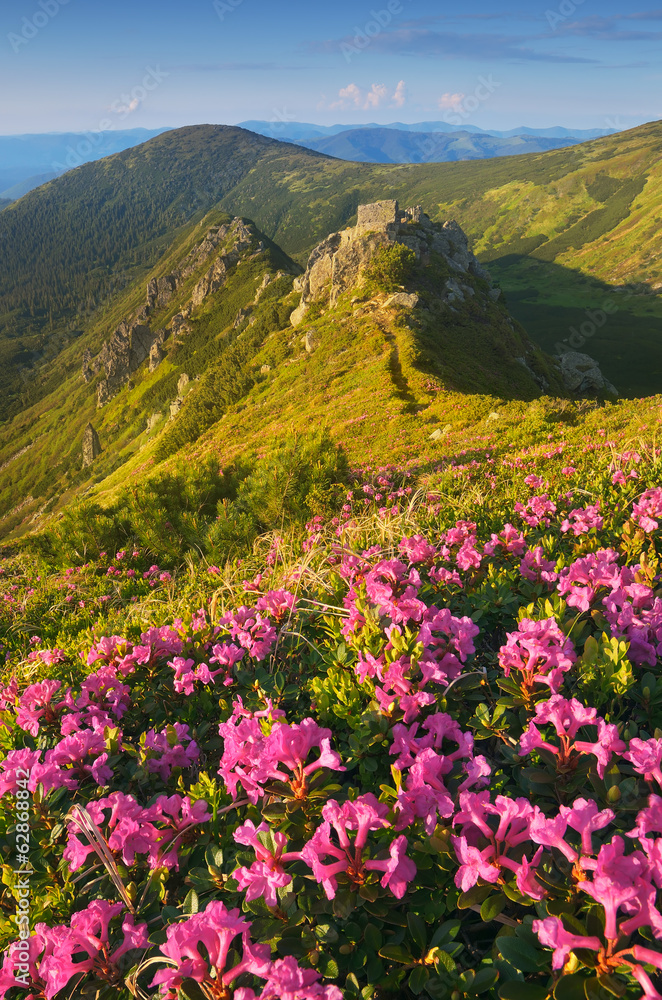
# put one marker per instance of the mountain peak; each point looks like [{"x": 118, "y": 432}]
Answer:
[{"x": 341, "y": 261}]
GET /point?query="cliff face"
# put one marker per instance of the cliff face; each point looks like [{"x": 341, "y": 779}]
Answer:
[
  {"x": 338, "y": 264},
  {"x": 135, "y": 341}
]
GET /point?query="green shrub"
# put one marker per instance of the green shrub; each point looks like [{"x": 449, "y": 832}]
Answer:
[{"x": 391, "y": 267}]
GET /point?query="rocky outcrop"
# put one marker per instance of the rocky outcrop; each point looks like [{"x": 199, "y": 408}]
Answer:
[
  {"x": 339, "y": 263},
  {"x": 129, "y": 346},
  {"x": 91, "y": 445},
  {"x": 582, "y": 376},
  {"x": 134, "y": 341}
]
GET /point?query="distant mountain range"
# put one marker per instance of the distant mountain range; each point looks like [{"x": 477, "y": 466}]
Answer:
[
  {"x": 27, "y": 161},
  {"x": 386, "y": 145},
  {"x": 303, "y": 131}
]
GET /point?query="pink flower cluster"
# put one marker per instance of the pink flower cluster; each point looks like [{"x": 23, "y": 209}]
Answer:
[
  {"x": 61, "y": 953},
  {"x": 567, "y": 718},
  {"x": 647, "y": 512},
  {"x": 425, "y": 794},
  {"x": 199, "y": 949},
  {"x": 539, "y": 652},
  {"x": 365, "y": 814},
  {"x": 131, "y": 830},
  {"x": 253, "y": 757}
]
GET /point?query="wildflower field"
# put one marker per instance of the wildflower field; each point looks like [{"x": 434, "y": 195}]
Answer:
[{"x": 413, "y": 748}]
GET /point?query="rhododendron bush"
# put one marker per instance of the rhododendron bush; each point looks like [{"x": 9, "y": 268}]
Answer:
[{"x": 422, "y": 758}]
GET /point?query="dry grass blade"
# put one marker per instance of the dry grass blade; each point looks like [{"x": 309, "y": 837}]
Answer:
[{"x": 88, "y": 827}]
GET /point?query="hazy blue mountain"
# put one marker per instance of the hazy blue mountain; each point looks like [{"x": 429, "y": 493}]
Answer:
[
  {"x": 29, "y": 184},
  {"x": 384, "y": 145},
  {"x": 302, "y": 131},
  {"x": 24, "y": 157}
]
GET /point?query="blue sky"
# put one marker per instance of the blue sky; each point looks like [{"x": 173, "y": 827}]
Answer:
[{"x": 85, "y": 64}]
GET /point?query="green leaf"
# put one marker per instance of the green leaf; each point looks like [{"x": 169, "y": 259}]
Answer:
[
  {"x": 613, "y": 985},
  {"x": 441, "y": 958},
  {"x": 522, "y": 956},
  {"x": 594, "y": 990},
  {"x": 492, "y": 907},
  {"x": 418, "y": 979},
  {"x": 484, "y": 980},
  {"x": 328, "y": 966},
  {"x": 447, "y": 932},
  {"x": 570, "y": 988},
  {"x": 372, "y": 937},
  {"x": 474, "y": 896},
  {"x": 515, "y": 990},
  {"x": 396, "y": 953},
  {"x": 417, "y": 930}
]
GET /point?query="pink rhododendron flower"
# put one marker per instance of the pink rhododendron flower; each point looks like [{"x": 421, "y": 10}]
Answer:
[
  {"x": 277, "y": 603},
  {"x": 363, "y": 815},
  {"x": 418, "y": 550},
  {"x": 646, "y": 758},
  {"x": 568, "y": 717},
  {"x": 252, "y": 631},
  {"x": 251, "y": 758},
  {"x": 215, "y": 928},
  {"x": 166, "y": 750},
  {"x": 536, "y": 569},
  {"x": 540, "y": 652},
  {"x": 399, "y": 870},
  {"x": 648, "y": 510},
  {"x": 510, "y": 540},
  {"x": 36, "y": 706},
  {"x": 582, "y": 520},
  {"x": 87, "y": 939},
  {"x": 537, "y": 511},
  {"x": 585, "y": 817},
  {"x": 552, "y": 934},
  {"x": 266, "y": 875},
  {"x": 474, "y": 864},
  {"x": 580, "y": 583},
  {"x": 287, "y": 981}
]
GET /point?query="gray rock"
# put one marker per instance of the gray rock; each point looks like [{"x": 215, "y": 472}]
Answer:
[
  {"x": 379, "y": 215},
  {"x": 441, "y": 432},
  {"x": 454, "y": 292},
  {"x": 175, "y": 407},
  {"x": 156, "y": 356},
  {"x": 581, "y": 375},
  {"x": 153, "y": 420},
  {"x": 182, "y": 383},
  {"x": 310, "y": 341},
  {"x": 402, "y": 299},
  {"x": 265, "y": 369},
  {"x": 91, "y": 445},
  {"x": 495, "y": 294}
]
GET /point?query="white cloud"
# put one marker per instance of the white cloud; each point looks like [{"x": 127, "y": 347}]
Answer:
[
  {"x": 126, "y": 109},
  {"x": 377, "y": 96},
  {"x": 400, "y": 95},
  {"x": 451, "y": 100}
]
